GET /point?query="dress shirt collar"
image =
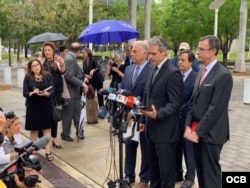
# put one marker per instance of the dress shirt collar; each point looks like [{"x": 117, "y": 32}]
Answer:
[
  {"x": 210, "y": 66},
  {"x": 185, "y": 74},
  {"x": 160, "y": 65}
]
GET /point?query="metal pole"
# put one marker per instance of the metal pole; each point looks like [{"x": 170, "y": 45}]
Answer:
[
  {"x": 90, "y": 19},
  {"x": 216, "y": 21},
  {"x": 0, "y": 49}
]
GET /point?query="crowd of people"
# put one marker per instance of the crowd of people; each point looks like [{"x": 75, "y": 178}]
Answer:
[{"x": 187, "y": 116}]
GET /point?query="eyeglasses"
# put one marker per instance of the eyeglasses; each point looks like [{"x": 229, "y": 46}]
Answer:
[
  {"x": 34, "y": 65},
  {"x": 203, "y": 49}
]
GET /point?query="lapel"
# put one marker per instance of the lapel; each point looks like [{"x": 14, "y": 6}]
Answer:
[
  {"x": 159, "y": 74},
  {"x": 210, "y": 75}
]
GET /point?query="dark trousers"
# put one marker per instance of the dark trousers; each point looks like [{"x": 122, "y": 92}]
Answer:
[
  {"x": 208, "y": 168},
  {"x": 130, "y": 159},
  {"x": 185, "y": 147},
  {"x": 100, "y": 99},
  {"x": 162, "y": 158}
]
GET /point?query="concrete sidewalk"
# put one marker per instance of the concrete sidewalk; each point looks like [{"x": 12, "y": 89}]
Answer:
[{"x": 94, "y": 161}]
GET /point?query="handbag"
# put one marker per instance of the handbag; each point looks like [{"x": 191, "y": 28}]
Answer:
[
  {"x": 65, "y": 93},
  {"x": 57, "y": 111},
  {"x": 91, "y": 92}
]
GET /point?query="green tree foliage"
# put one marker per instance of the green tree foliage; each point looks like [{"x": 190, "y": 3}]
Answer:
[
  {"x": 175, "y": 20},
  {"x": 188, "y": 20},
  {"x": 185, "y": 20}
]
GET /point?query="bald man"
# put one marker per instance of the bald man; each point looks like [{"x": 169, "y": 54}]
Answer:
[{"x": 75, "y": 82}]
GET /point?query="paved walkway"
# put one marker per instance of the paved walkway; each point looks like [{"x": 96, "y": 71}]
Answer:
[{"x": 94, "y": 161}]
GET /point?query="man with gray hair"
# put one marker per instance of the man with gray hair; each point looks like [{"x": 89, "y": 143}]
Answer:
[
  {"x": 163, "y": 93},
  {"x": 134, "y": 80}
]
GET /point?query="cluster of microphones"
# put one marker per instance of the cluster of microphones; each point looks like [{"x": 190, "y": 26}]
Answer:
[{"x": 121, "y": 96}]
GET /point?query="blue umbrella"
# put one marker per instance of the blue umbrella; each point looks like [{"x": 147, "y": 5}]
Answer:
[{"x": 108, "y": 31}]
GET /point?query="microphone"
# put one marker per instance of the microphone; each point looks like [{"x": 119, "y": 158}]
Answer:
[
  {"x": 133, "y": 101},
  {"x": 129, "y": 100},
  {"x": 39, "y": 144},
  {"x": 106, "y": 91},
  {"x": 112, "y": 96}
]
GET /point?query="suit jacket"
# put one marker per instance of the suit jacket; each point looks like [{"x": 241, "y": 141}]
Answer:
[
  {"x": 188, "y": 87},
  {"x": 127, "y": 62},
  {"x": 97, "y": 79},
  {"x": 73, "y": 76},
  {"x": 139, "y": 85},
  {"x": 195, "y": 65},
  {"x": 210, "y": 105},
  {"x": 165, "y": 93},
  {"x": 29, "y": 85}
]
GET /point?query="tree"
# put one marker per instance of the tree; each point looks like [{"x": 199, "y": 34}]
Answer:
[
  {"x": 240, "y": 61},
  {"x": 147, "y": 19},
  {"x": 185, "y": 21},
  {"x": 132, "y": 13},
  {"x": 228, "y": 26}
]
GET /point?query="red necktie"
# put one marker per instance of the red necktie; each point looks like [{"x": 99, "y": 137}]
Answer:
[{"x": 203, "y": 75}]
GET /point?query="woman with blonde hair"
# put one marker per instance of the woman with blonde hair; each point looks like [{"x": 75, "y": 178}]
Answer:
[{"x": 54, "y": 64}]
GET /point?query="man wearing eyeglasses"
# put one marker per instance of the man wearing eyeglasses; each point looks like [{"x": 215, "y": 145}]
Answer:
[{"x": 207, "y": 124}]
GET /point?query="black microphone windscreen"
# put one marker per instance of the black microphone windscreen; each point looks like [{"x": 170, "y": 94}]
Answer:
[
  {"x": 103, "y": 92},
  {"x": 127, "y": 93},
  {"x": 40, "y": 143}
]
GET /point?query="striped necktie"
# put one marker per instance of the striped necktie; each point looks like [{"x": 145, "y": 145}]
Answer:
[{"x": 136, "y": 74}]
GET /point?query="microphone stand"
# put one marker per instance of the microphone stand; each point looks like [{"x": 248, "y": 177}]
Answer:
[{"x": 123, "y": 183}]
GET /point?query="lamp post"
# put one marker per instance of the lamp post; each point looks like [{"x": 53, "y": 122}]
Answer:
[
  {"x": 90, "y": 19},
  {"x": 0, "y": 49},
  {"x": 215, "y": 5}
]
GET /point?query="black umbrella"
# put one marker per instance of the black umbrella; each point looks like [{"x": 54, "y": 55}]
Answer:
[{"x": 47, "y": 37}]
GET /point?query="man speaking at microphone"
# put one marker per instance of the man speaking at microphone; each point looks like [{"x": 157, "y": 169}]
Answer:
[
  {"x": 134, "y": 80},
  {"x": 163, "y": 92}
]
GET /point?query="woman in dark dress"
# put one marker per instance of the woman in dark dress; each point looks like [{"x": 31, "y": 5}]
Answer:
[
  {"x": 91, "y": 68},
  {"x": 54, "y": 64},
  {"x": 39, "y": 104}
]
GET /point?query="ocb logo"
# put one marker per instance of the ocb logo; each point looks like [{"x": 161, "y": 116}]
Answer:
[{"x": 236, "y": 179}]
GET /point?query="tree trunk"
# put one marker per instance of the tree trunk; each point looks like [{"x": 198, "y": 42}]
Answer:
[
  {"x": 240, "y": 61},
  {"x": 147, "y": 18},
  {"x": 9, "y": 53},
  {"x": 132, "y": 15}
]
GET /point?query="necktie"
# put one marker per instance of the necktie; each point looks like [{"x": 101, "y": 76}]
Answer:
[
  {"x": 183, "y": 76},
  {"x": 136, "y": 74},
  {"x": 154, "y": 73},
  {"x": 203, "y": 75}
]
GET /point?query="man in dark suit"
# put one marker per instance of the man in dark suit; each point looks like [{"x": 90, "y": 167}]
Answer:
[
  {"x": 207, "y": 123},
  {"x": 163, "y": 92},
  {"x": 75, "y": 82},
  {"x": 186, "y": 59},
  {"x": 185, "y": 46},
  {"x": 128, "y": 61},
  {"x": 134, "y": 80}
]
